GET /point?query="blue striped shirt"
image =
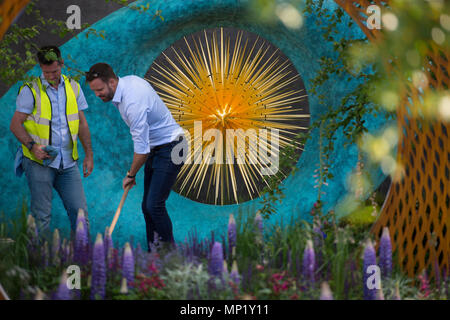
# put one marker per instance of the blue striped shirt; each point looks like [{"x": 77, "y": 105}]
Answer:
[{"x": 61, "y": 138}]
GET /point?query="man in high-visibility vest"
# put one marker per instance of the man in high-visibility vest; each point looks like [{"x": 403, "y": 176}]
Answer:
[{"x": 49, "y": 112}]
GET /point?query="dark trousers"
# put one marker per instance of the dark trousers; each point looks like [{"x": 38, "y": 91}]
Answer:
[{"x": 159, "y": 176}]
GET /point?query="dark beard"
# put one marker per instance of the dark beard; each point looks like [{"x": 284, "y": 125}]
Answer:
[{"x": 110, "y": 95}]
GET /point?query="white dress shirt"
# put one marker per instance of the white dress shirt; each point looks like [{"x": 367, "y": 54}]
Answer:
[{"x": 150, "y": 121}]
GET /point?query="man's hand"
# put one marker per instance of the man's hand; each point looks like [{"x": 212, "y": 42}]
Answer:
[
  {"x": 39, "y": 153},
  {"x": 88, "y": 165},
  {"x": 128, "y": 182}
]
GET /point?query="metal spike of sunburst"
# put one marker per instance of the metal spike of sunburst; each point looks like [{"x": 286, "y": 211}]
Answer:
[{"x": 224, "y": 88}]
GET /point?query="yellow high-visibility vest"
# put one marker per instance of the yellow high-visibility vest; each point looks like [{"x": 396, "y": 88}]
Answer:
[{"x": 38, "y": 123}]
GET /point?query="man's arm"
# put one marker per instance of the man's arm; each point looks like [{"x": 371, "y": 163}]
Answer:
[
  {"x": 138, "y": 162},
  {"x": 85, "y": 138},
  {"x": 17, "y": 128}
]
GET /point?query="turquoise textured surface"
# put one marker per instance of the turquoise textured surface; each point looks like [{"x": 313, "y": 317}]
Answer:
[{"x": 133, "y": 41}]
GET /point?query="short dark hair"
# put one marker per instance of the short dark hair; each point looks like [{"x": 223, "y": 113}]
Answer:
[
  {"x": 49, "y": 54},
  {"x": 100, "y": 70}
]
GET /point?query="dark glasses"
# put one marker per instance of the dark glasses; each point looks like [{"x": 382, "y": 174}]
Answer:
[{"x": 92, "y": 75}]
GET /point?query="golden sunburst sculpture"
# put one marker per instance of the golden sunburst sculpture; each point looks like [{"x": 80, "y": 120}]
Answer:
[{"x": 240, "y": 101}]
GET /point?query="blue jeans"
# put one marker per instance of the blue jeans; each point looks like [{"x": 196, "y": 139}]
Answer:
[
  {"x": 160, "y": 174},
  {"x": 41, "y": 181}
]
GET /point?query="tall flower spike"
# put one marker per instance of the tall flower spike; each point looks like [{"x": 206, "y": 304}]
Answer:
[
  {"x": 309, "y": 262},
  {"x": 385, "y": 251},
  {"x": 63, "y": 292},
  {"x": 128, "y": 264},
  {"x": 123, "y": 286},
  {"x": 82, "y": 217},
  {"x": 235, "y": 277},
  {"x": 81, "y": 254},
  {"x": 232, "y": 235},
  {"x": 109, "y": 247},
  {"x": 225, "y": 267},
  {"x": 39, "y": 295},
  {"x": 32, "y": 231},
  {"x": 98, "y": 281},
  {"x": 325, "y": 292},
  {"x": 259, "y": 226},
  {"x": 216, "y": 260},
  {"x": 369, "y": 260},
  {"x": 56, "y": 247}
]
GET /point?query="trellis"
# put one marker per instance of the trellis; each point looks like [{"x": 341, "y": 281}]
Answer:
[{"x": 416, "y": 209}]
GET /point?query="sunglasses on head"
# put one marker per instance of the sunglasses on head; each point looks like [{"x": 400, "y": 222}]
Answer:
[{"x": 92, "y": 75}]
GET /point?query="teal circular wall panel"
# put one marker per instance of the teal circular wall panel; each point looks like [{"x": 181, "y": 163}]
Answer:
[{"x": 133, "y": 41}]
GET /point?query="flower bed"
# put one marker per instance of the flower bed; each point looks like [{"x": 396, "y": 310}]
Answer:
[{"x": 298, "y": 261}]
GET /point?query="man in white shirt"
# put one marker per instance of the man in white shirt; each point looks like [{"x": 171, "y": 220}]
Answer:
[{"x": 154, "y": 132}]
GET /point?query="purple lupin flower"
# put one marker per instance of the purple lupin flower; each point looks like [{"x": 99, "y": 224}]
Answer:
[
  {"x": 232, "y": 234},
  {"x": 325, "y": 292},
  {"x": 128, "y": 264},
  {"x": 82, "y": 217},
  {"x": 63, "y": 292},
  {"x": 216, "y": 260},
  {"x": 56, "y": 247},
  {"x": 234, "y": 275},
  {"x": 309, "y": 262},
  {"x": 98, "y": 280},
  {"x": 369, "y": 260},
  {"x": 81, "y": 250},
  {"x": 385, "y": 252}
]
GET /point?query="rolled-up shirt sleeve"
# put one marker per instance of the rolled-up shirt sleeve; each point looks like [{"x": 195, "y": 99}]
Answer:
[
  {"x": 139, "y": 128},
  {"x": 81, "y": 101},
  {"x": 25, "y": 101}
]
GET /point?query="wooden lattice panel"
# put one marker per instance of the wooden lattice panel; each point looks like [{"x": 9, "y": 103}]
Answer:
[
  {"x": 9, "y": 9},
  {"x": 417, "y": 208}
]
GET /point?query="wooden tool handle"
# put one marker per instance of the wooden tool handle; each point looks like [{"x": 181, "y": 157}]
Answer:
[{"x": 116, "y": 216}]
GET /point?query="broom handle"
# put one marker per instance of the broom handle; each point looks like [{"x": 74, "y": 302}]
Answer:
[{"x": 116, "y": 216}]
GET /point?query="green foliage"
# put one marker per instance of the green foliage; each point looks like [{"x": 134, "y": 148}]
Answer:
[
  {"x": 15, "y": 65},
  {"x": 360, "y": 217},
  {"x": 184, "y": 280},
  {"x": 273, "y": 191}
]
